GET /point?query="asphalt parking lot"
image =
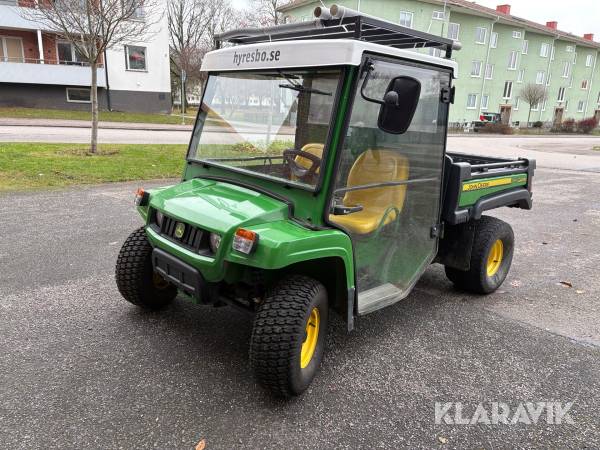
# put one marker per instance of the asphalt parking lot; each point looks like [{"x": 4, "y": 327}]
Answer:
[{"x": 81, "y": 368}]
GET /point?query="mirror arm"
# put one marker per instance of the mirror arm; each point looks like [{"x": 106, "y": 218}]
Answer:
[{"x": 368, "y": 68}]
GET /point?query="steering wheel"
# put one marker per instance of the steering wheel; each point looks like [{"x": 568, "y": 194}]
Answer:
[{"x": 302, "y": 173}]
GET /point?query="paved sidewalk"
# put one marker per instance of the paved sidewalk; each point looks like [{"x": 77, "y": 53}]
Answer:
[{"x": 21, "y": 122}]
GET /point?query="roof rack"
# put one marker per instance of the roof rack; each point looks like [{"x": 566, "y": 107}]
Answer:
[{"x": 350, "y": 25}]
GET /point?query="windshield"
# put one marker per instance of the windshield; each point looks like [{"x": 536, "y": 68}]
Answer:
[{"x": 272, "y": 124}]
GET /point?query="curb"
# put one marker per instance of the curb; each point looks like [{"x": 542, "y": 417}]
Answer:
[{"x": 85, "y": 124}]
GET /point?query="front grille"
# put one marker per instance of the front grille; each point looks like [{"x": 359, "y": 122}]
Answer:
[{"x": 193, "y": 238}]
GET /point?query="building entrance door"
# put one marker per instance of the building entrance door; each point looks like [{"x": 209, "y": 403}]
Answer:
[
  {"x": 505, "y": 113},
  {"x": 558, "y": 116}
]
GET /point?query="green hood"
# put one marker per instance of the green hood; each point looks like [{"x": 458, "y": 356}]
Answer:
[{"x": 217, "y": 206}]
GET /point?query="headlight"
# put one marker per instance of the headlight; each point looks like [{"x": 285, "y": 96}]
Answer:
[
  {"x": 214, "y": 242},
  {"x": 159, "y": 218},
  {"x": 245, "y": 241}
]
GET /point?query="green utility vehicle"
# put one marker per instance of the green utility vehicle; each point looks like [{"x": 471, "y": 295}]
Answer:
[{"x": 317, "y": 181}]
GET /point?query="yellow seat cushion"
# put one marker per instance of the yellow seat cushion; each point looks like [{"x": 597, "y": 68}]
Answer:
[{"x": 379, "y": 203}]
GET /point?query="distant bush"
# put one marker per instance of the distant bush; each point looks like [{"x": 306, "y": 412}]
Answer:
[
  {"x": 244, "y": 147},
  {"x": 496, "y": 128},
  {"x": 586, "y": 126},
  {"x": 568, "y": 126},
  {"x": 538, "y": 124}
]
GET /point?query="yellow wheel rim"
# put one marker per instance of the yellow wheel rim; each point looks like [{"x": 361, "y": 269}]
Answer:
[
  {"x": 159, "y": 282},
  {"x": 312, "y": 336},
  {"x": 495, "y": 258}
]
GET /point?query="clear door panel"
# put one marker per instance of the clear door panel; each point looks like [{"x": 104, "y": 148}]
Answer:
[{"x": 392, "y": 182}]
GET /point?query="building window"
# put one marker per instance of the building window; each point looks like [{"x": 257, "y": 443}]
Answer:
[
  {"x": 517, "y": 103},
  {"x": 517, "y": 34},
  {"x": 135, "y": 57},
  {"x": 544, "y": 105},
  {"x": 584, "y": 84},
  {"x": 575, "y": 58},
  {"x": 540, "y": 77},
  {"x": 525, "y": 47},
  {"x": 137, "y": 9},
  {"x": 489, "y": 71},
  {"x": 78, "y": 95},
  {"x": 480, "y": 35},
  {"x": 589, "y": 61},
  {"x": 406, "y": 19},
  {"x": 521, "y": 76},
  {"x": 561, "y": 95},
  {"x": 11, "y": 49},
  {"x": 435, "y": 52},
  {"x": 472, "y": 101},
  {"x": 570, "y": 49},
  {"x": 68, "y": 54},
  {"x": 507, "y": 90},
  {"x": 545, "y": 50},
  {"x": 580, "y": 106},
  {"x": 566, "y": 70},
  {"x": 552, "y": 51},
  {"x": 476, "y": 69},
  {"x": 453, "y": 31},
  {"x": 438, "y": 15},
  {"x": 494, "y": 40},
  {"x": 485, "y": 101},
  {"x": 513, "y": 60}
]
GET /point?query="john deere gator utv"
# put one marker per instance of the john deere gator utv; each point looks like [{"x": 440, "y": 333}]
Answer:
[{"x": 317, "y": 181}]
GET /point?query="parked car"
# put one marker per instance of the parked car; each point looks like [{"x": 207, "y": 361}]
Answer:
[{"x": 484, "y": 119}]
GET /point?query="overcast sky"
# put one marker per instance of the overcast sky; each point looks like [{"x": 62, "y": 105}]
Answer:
[{"x": 575, "y": 16}]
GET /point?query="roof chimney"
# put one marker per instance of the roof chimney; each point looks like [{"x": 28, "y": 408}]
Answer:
[
  {"x": 553, "y": 25},
  {"x": 504, "y": 9},
  {"x": 589, "y": 36}
]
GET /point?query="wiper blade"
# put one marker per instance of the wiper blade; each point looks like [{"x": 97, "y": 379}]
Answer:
[{"x": 304, "y": 89}]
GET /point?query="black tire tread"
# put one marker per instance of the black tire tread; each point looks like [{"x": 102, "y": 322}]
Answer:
[
  {"x": 278, "y": 322},
  {"x": 486, "y": 229},
  {"x": 131, "y": 273}
]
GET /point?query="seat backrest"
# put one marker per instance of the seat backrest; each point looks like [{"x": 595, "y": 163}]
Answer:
[
  {"x": 314, "y": 149},
  {"x": 378, "y": 166}
]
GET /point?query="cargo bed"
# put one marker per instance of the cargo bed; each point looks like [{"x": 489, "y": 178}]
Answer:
[{"x": 474, "y": 184}]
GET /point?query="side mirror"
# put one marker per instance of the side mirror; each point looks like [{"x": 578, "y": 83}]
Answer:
[{"x": 399, "y": 105}]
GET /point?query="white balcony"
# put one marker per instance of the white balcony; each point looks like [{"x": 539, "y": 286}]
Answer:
[
  {"x": 10, "y": 17},
  {"x": 57, "y": 74}
]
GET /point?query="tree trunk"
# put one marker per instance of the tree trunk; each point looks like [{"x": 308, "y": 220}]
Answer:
[
  {"x": 529, "y": 117},
  {"x": 94, "y": 99}
]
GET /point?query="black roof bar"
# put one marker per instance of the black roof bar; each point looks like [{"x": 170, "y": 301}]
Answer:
[{"x": 360, "y": 27}]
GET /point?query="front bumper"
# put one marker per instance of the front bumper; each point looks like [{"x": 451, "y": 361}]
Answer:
[
  {"x": 209, "y": 267},
  {"x": 178, "y": 273}
]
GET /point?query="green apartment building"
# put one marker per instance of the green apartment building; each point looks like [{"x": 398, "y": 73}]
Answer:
[{"x": 501, "y": 54}]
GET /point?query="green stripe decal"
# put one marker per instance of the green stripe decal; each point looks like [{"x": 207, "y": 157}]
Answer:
[{"x": 474, "y": 190}]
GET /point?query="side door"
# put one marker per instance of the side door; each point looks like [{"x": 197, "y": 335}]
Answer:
[{"x": 387, "y": 185}]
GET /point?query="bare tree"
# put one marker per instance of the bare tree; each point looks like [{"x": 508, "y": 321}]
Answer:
[
  {"x": 265, "y": 12},
  {"x": 533, "y": 95},
  {"x": 187, "y": 23},
  {"x": 93, "y": 26},
  {"x": 221, "y": 17}
]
